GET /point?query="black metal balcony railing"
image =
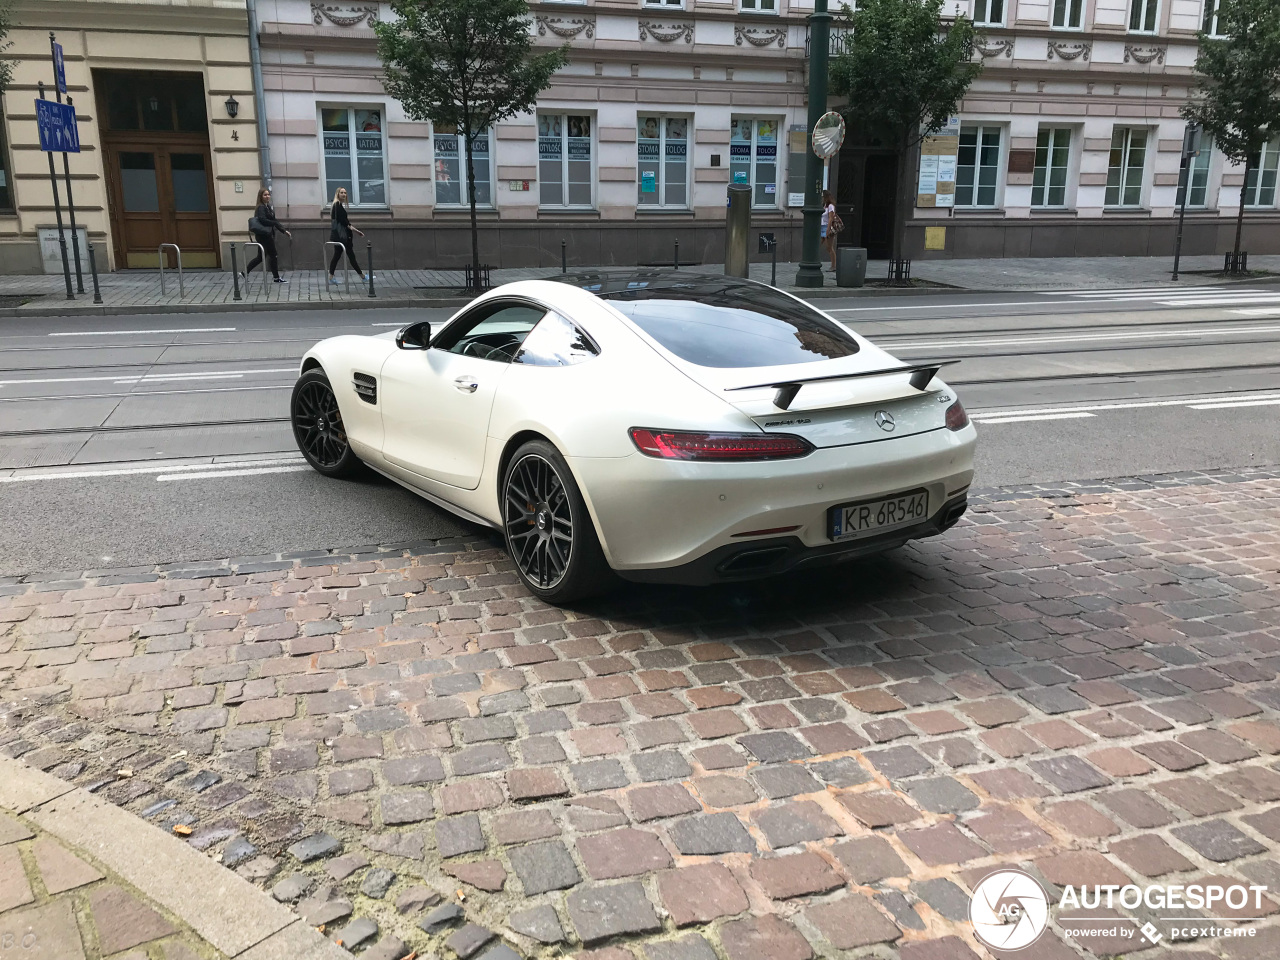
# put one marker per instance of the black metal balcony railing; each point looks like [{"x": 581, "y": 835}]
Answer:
[{"x": 836, "y": 45}]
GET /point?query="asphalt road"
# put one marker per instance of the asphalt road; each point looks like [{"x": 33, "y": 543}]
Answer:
[{"x": 137, "y": 440}]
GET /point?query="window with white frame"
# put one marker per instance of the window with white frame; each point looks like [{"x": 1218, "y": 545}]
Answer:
[
  {"x": 988, "y": 12},
  {"x": 670, "y": 4},
  {"x": 1198, "y": 176},
  {"x": 1126, "y": 167},
  {"x": 451, "y": 167},
  {"x": 978, "y": 167},
  {"x": 753, "y": 158},
  {"x": 759, "y": 6},
  {"x": 662, "y": 161},
  {"x": 1260, "y": 187},
  {"x": 354, "y": 154},
  {"x": 566, "y": 163},
  {"x": 1143, "y": 16},
  {"x": 1211, "y": 10},
  {"x": 1049, "y": 178},
  {"x": 1068, "y": 14}
]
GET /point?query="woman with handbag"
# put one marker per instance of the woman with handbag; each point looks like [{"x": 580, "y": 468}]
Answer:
[
  {"x": 340, "y": 232},
  {"x": 263, "y": 225},
  {"x": 831, "y": 226}
]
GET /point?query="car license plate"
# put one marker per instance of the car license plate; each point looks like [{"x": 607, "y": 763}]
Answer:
[{"x": 858, "y": 519}]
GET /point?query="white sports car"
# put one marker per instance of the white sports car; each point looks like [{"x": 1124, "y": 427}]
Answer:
[{"x": 655, "y": 425}]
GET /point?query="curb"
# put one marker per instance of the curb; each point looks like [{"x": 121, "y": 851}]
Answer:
[{"x": 231, "y": 914}]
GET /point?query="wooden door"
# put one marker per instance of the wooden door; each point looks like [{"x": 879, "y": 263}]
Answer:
[
  {"x": 879, "y": 192},
  {"x": 162, "y": 193}
]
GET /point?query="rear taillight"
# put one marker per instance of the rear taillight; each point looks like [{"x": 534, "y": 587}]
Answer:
[
  {"x": 957, "y": 419},
  {"x": 673, "y": 445}
]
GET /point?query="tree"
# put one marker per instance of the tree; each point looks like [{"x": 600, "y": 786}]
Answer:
[
  {"x": 467, "y": 64},
  {"x": 1238, "y": 100},
  {"x": 904, "y": 73},
  {"x": 6, "y": 24}
]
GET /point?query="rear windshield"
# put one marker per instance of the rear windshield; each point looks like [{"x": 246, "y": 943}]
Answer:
[{"x": 719, "y": 322}]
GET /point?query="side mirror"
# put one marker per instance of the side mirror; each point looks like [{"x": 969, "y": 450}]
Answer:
[{"x": 416, "y": 336}]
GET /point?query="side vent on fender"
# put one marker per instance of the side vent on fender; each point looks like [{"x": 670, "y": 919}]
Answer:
[{"x": 366, "y": 386}]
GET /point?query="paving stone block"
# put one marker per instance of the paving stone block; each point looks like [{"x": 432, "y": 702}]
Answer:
[
  {"x": 622, "y": 853},
  {"x": 1149, "y": 855},
  {"x": 661, "y": 765},
  {"x": 543, "y": 866},
  {"x": 659, "y": 801},
  {"x": 767, "y": 936},
  {"x": 941, "y": 844},
  {"x": 795, "y": 822},
  {"x": 60, "y": 869},
  {"x": 1005, "y": 830},
  {"x": 458, "y": 835},
  {"x": 785, "y": 780},
  {"x": 468, "y": 940},
  {"x": 942, "y": 795},
  {"x": 700, "y": 893},
  {"x": 879, "y": 808},
  {"x": 775, "y": 747},
  {"x": 593, "y": 775},
  {"x": 868, "y": 859},
  {"x": 1069, "y": 774},
  {"x": 315, "y": 847},
  {"x": 1217, "y": 840},
  {"x": 945, "y": 897},
  {"x": 710, "y": 834},
  {"x": 123, "y": 921},
  {"x": 539, "y": 923},
  {"x": 689, "y": 947},
  {"x": 600, "y": 912},
  {"x": 795, "y": 875}
]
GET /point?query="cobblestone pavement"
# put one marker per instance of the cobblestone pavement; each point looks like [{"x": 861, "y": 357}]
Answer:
[
  {"x": 214, "y": 288},
  {"x": 403, "y": 744},
  {"x": 56, "y": 904}
]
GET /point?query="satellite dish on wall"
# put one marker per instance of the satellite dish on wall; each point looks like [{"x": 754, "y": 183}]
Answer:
[{"x": 828, "y": 134}]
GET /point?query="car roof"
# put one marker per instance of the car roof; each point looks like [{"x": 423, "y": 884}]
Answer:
[{"x": 686, "y": 284}]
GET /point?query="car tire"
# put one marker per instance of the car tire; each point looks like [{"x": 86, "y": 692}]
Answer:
[
  {"x": 318, "y": 428},
  {"x": 544, "y": 516}
]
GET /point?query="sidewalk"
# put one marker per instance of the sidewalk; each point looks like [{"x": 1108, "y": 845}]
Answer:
[
  {"x": 401, "y": 742},
  {"x": 212, "y": 291},
  {"x": 80, "y": 879}
]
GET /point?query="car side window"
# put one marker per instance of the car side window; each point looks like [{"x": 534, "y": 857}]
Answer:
[
  {"x": 555, "y": 342},
  {"x": 495, "y": 332}
]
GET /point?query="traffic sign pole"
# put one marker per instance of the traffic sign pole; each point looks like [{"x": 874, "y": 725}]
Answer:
[
  {"x": 57, "y": 211},
  {"x": 60, "y": 84}
]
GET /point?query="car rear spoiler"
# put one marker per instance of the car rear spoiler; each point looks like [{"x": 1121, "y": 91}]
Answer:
[{"x": 921, "y": 376}]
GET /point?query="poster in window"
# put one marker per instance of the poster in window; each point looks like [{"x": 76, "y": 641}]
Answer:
[
  {"x": 740, "y": 130},
  {"x": 579, "y": 127},
  {"x": 767, "y": 131},
  {"x": 648, "y": 182},
  {"x": 649, "y": 128},
  {"x": 549, "y": 125},
  {"x": 740, "y": 176},
  {"x": 369, "y": 121},
  {"x": 677, "y": 128}
]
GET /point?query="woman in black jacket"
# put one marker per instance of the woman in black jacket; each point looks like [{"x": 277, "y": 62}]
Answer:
[
  {"x": 265, "y": 234},
  {"x": 340, "y": 231}
]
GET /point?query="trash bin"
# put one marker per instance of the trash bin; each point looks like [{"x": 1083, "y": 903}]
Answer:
[
  {"x": 851, "y": 266},
  {"x": 737, "y": 225}
]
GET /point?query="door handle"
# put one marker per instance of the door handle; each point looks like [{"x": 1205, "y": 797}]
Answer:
[{"x": 467, "y": 384}]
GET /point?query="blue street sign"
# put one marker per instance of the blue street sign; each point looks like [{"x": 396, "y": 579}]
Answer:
[
  {"x": 57, "y": 125},
  {"x": 59, "y": 68}
]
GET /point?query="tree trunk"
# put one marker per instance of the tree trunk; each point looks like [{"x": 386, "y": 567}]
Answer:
[
  {"x": 1240, "y": 213},
  {"x": 901, "y": 206},
  {"x": 475, "y": 230}
]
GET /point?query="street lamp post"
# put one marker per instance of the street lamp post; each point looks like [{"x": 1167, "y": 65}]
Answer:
[{"x": 810, "y": 272}]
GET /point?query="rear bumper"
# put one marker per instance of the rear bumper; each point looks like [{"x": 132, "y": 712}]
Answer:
[{"x": 767, "y": 558}]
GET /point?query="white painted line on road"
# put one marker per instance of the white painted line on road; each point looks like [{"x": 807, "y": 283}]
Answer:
[
  {"x": 163, "y": 468},
  {"x": 143, "y": 378},
  {"x": 1121, "y": 291},
  {"x": 1258, "y": 312},
  {"x": 214, "y": 474},
  {"x": 1138, "y": 335},
  {"x": 128, "y": 333},
  {"x": 388, "y": 324},
  {"x": 238, "y": 388},
  {"x": 1221, "y": 301},
  {"x": 1042, "y": 416},
  {"x": 949, "y": 306},
  {"x": 1224, "y": 399},
  {"x": 1225, "y": 406}
]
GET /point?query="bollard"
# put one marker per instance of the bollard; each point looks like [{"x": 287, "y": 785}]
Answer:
[
  {"x": 773, "y": 270},
  {"x": 564, "y": 257},
  {"x": 369, "y": 256},
  {"x": 235, "y": 274},
  {"x": 677, "y": 261},
  {"x": 93, "y": 267}
]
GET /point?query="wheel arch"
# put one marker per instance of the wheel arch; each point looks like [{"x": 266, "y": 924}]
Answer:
[{"x": 310, "y": 363}]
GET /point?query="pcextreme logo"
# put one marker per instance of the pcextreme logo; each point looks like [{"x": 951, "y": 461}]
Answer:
[{"x": 1009, "y": 910}]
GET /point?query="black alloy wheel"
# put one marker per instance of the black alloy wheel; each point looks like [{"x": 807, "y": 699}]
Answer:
[
  {"x": 318, "y": 427},
  {"x": 549, "y": 533}
]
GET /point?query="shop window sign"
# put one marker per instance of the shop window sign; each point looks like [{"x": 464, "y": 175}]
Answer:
[
  {"x": 353, "y": 154},
  {"x": 451, "y": 167}
]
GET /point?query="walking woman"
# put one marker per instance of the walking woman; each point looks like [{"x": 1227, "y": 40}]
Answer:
[
  {"x": 340, "y": 232},
  {"x": 831, "y": 226},
  {"x": 263, "y": 226}
]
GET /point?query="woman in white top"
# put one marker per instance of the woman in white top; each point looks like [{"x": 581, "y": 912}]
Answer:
[{"x": 828, "y": 235}]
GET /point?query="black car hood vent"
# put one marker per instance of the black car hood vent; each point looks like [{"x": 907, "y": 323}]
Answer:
[{"x": 366, "y": 386}]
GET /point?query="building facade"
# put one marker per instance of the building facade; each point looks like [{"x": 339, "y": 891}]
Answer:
[{"x": 161, "y": 161}]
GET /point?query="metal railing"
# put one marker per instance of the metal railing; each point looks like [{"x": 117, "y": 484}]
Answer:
[
  {"x": 346, "y": 265},
  {"x": 262, "y": 252},
  {"x": 182, "y": 290}
]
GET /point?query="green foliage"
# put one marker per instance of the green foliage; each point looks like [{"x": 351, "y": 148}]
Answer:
[
  {"x": 6, "y": 24},
  {"x": 903, "y": 71},
  {"x": 463, "y": 62},
  {"x": 1238, "y": 100}
]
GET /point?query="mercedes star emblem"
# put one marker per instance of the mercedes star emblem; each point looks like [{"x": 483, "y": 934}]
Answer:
[{"x": 884, "y": 420}]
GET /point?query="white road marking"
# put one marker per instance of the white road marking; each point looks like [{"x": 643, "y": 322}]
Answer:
[
  {"x": 1042, "y": 416},
  {"x": 238, "y": 388},
  {"x": 1222, "y": 301},
  {"x": 388, "y": 324},
  {"x": 160, "y": 468},
  {"x": 144, "y": 378},
  {"x": 214, "y": 474},
  {"x": 1225, "y": 406},
  {"x": 949, "y": 306},
  {"x": 127, "y": 333},
  {"x": 1092, "y": 336},
  {"x": 1135, "y": 405},
  {"x": 1140, "y": 293},
  {"x": 1257, "y": 312}
]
